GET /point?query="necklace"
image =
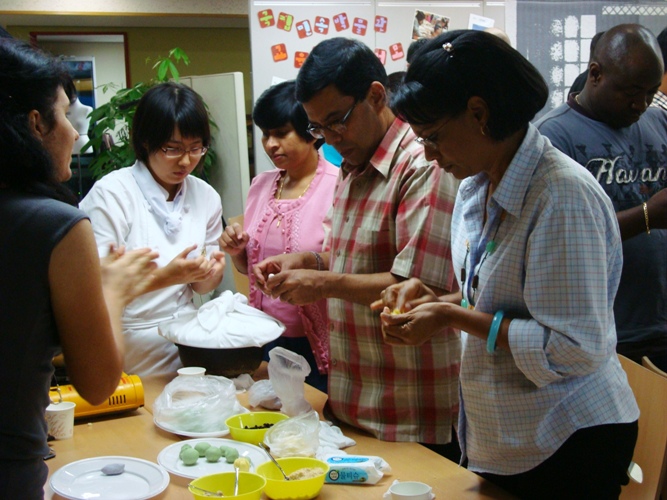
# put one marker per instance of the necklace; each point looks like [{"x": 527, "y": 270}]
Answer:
[
  {"x": 489, "y": 248},
  {"x": 280, "y": 192},
  {"x": 282, "y": 183}
]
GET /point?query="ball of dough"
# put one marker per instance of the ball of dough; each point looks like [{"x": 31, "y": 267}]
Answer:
[
  {"x": 226, "y": 449},
  {"x": 232, "y": 455},
  {"x": 213, "y": 454},
  {"x": 183, "y": 448},
  {"x": 189, "y": 456},
  {"x": 202, "y": 447}
]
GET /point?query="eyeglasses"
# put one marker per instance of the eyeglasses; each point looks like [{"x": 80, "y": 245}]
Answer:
[
  {"x": 337, "y": 127},
  {"x": 432, "y": 140},
  {"x": 179, "y": 152}
]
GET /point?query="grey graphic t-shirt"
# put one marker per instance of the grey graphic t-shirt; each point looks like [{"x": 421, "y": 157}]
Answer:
[{"x": 631, "y": 166}]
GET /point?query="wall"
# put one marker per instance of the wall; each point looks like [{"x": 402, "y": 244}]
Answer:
[
  {"x": 109, "y": 62},
  {"x": 159, "y": 7},
  {"x": 211, "y": 50}
]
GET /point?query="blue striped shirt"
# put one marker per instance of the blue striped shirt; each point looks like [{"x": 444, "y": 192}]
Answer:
[{"x": 555, "y": 271}]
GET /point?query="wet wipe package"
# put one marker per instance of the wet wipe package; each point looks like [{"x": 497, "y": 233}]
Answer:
[{"x": 355, "y": 469}]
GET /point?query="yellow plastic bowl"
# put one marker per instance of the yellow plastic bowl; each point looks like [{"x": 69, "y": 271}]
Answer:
[
  {"x": 238, "y": 424},
  {"x": 302, "y": 489},
  {"x": 250, "y": 485}
]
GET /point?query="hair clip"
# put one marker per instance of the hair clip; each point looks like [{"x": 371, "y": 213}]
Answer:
[{"x": 448, "y": 47}]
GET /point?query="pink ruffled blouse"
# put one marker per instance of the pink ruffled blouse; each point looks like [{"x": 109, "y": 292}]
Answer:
[{"x": 291, "y": 226}]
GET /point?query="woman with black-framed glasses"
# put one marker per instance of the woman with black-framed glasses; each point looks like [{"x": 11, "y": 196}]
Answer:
[{"x": 157, "y": 203}]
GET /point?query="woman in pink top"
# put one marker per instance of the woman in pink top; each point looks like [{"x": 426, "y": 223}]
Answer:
[{"x": 285, "y": 213}]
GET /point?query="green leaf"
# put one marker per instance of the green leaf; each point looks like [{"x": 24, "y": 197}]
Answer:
[
  {"x": 179, "y": 55},
  {"x": 174, "y": 71},
  {"x": 162, "y": 70}
]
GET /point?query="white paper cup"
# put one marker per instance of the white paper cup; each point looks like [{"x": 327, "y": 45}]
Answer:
[
  {"x": 60, "y": 419},
  {"x": 410, "y": 490}
]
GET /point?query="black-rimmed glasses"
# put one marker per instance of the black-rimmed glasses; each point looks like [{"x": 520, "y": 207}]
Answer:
[
  {"x": 337, "y": 127},
  {"x": 197, "y": 152}
]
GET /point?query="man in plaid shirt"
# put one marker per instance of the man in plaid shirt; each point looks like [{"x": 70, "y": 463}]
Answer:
[{"x": 390, "y": 221}]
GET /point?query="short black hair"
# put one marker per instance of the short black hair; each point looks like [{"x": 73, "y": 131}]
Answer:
[
  {"x": 458, "y": 65},
  {"x": 662, "y": 41},
  {"x": 395, "y": 81},
  {"x": 348, "y": 64},
  {"x": 160, "y": 111},
  {"x": 277, "y": 106},
  {"x": 413, "y": 48}
]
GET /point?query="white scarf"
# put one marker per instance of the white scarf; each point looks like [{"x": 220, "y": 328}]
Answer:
[{"x": 171, "y": 214}]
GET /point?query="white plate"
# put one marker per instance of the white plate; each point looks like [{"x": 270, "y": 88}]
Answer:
[
  {"x": 168, "y": 428},
  {"x": 168, "y": 458},
  {"x": 83, "y": 479}
]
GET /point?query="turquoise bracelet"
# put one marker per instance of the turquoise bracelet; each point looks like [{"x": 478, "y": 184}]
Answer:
[{"x": 493, "y": 332}]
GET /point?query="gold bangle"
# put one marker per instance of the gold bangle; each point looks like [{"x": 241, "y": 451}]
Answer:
[{"x": 648, "y": 228}]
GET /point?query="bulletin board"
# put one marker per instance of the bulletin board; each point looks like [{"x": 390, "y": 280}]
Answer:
[
  {"x": 553, "y": 35},
  {"x": 283, "y": 32}
]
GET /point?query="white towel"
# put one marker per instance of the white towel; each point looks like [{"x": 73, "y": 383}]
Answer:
[{"x": 225, "y": 322}]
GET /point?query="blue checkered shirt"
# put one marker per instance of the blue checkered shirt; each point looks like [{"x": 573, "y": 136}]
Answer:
[{"x": 555, "y": 272}]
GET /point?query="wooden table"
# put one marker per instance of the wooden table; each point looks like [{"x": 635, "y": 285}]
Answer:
[{"x": 134, "y": 434}]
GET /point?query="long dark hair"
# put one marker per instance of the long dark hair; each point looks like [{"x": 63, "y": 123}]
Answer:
[{"x": 29, "y": 80}]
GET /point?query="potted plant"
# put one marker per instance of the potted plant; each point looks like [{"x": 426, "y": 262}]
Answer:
[{"x": 117, "y": 116}]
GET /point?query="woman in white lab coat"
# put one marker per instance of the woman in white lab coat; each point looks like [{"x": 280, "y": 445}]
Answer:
[{"x": 157, "y": 203}]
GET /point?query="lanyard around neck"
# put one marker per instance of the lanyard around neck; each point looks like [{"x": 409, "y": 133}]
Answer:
[{"x": 478, "y": 256}]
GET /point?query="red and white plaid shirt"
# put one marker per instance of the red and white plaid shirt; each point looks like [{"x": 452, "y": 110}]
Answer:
[{"x": 394, "y": 216}]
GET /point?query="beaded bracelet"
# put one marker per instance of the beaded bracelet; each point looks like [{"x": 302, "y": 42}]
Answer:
[
  {"x": 493, "y": 332},
  {"x": 318, "y": 259}
]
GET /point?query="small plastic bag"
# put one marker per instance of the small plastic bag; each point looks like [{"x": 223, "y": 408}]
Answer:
[
  {"x": 288, "y": 371},
  {"x": 295, "y": 437},
  {"x": 261, "y": 393},
  {"x": 197, "y": 404}
]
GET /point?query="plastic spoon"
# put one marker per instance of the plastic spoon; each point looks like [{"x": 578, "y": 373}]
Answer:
[
  {"x": 236, "y": 481},
  {"x": 206, "y": 492},
  {"x": 266, "y": 449}
]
